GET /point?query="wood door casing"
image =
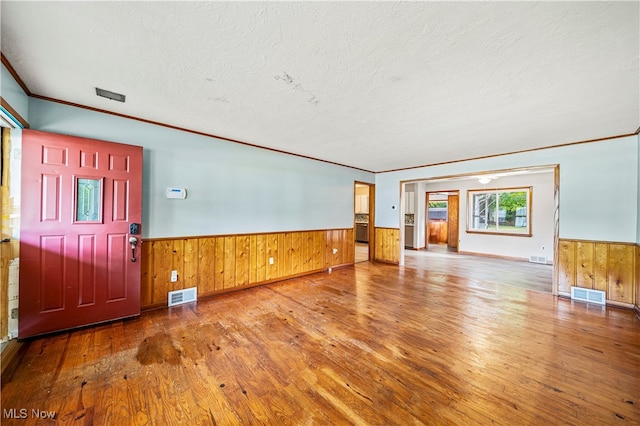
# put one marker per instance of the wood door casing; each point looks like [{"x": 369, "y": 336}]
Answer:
[
  {"x": 76, "y": 271},
  {"x": 370, "y": 217},
  {"x": 9, "y": 246}
]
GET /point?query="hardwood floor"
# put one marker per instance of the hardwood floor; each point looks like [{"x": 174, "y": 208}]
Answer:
[
  {"x": 439, "y": 259},
  {"x": 369, "y": 344},
  {"x": 361, "y": 252}
]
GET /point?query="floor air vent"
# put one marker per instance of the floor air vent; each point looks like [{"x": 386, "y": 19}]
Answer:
[
  {"x": 538, "y": 259},
  {"x": 588, "y": 295},
  {"x": 183, "y": 296}
]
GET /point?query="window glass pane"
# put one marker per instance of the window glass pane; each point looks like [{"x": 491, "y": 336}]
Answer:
[
  {"x": 502, "y": 211},
  {"x": 513, "y": 211},
  {"x": 88, "y": 200},
  {"x": 484, "y": 211}
]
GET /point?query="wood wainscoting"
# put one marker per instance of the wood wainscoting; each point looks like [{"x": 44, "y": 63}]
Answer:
[
  {"x": 637, "y": 302},
  {"x": 219, "y": 264},
  {"x": 599, "y": 265},
  {"x": 438, "y": 232},
  {"x": 387, "y": 245}
]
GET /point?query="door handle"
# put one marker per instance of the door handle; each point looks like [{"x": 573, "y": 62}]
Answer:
[
  {"x": 5, "y": 240},
  {"x": 133, "y": 241}
]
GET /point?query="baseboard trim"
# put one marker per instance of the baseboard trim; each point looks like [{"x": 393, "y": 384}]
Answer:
[
  {"x": 342, "y": 266},
  {"x": 496, "y": 256},
  {"x": 622, "y": 305},
  {"x": 388, "y": 262},
  {"x": 609, "y": 303}
]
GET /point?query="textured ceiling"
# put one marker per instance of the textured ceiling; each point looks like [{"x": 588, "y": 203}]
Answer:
[{"x": 372, "y": 85}]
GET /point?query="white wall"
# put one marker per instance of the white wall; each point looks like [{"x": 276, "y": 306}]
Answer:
[
  {"x": 13, "y": 93},
  {"x": 598, "y": 186},
  {"x": 232, "y": 188},
  {"x": 420, "y": 217},
  {"x": 638, "y": 216}
]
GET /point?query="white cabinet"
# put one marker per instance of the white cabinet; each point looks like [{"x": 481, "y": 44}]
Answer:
[
  {"x": 410, "y": 202},
  {"x": 362, "y": 204}
]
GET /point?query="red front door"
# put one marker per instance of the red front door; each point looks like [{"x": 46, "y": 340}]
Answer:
[{"x": 79, "y": 197}]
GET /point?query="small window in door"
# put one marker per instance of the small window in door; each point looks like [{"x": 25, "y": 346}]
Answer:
[{"x": 88, "y": 202}]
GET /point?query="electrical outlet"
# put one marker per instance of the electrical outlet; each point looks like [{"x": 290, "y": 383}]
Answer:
[
  {"x": 271, "y": 261},
  {"x": 335, "y": 250},
  {"x": 174, "y": 276}
]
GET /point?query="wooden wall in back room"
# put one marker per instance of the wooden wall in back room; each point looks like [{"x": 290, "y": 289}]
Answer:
[
  {"x": 219, "y": 264},
  {"x": 607, "y": 266}
]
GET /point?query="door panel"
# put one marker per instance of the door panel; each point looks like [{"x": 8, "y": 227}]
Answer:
[
  {"x": 117, "y": 266},
  {"x": 50, "y": 198},
  {"x": 87, "y": 272},
  {"x": 453, "y": 219},
  {"x": 120, "y": 200},
  {"x": 52, "y": 270},
  {"x": 78, "y": 198}
]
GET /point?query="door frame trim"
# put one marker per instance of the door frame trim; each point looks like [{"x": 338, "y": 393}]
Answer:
[{"x": 371, "y": 220}]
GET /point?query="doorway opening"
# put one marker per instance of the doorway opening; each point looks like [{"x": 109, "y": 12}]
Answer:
[
  {"x": 363, "y": 221},
  {"x": 541, "y": 214},
  {"x": 442, "y": 220}
]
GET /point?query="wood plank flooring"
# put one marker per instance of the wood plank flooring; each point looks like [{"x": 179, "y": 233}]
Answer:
[
  {"x": 361, "y": 252},
  {"x": 372, "y": 344},
  {"x": 438, "y": 259}
]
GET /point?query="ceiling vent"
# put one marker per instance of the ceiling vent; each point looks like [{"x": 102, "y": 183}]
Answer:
[{"x": 110, "y": 95}]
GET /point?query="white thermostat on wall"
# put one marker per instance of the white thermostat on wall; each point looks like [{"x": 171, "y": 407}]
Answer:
[{"x": 179, "y": 193}]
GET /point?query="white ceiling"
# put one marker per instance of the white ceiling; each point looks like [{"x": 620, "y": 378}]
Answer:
[{"x": 372, "y": 85}]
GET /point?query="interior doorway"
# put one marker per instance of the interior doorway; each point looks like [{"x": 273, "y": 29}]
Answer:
[
  {"x": 543, "y": 215},
  {"x": 363, "y": 209},
  {"x": 442, "y": 222}
]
